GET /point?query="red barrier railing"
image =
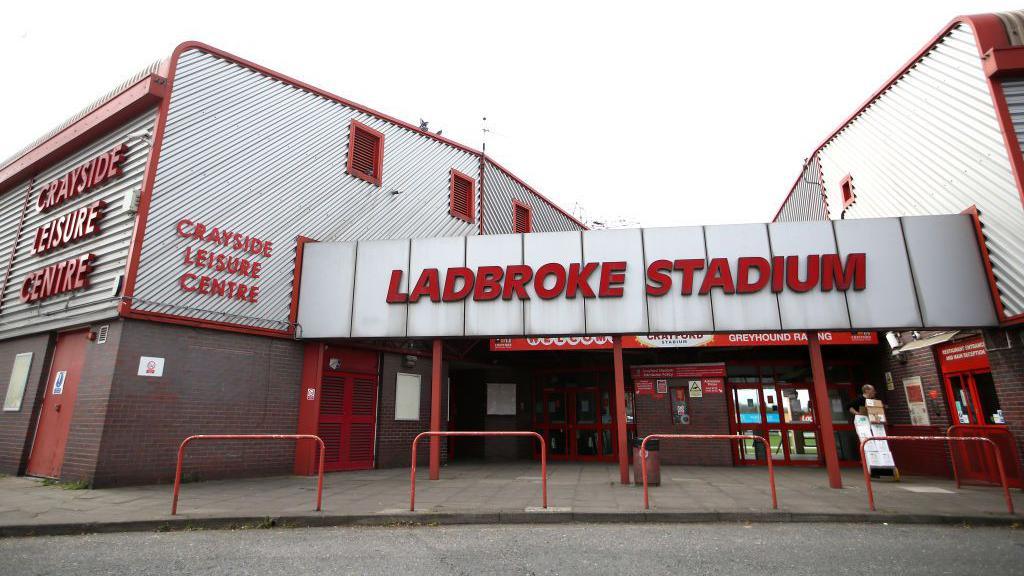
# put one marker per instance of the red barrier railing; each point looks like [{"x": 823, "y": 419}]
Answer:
[
  {"x": 767, "y": 451},
  {"x": 181, "y": 458},
  {"x": 1005, "y": 445},
  {"x": 999, "y": 460},
  {"x": 543, "y": 458}
]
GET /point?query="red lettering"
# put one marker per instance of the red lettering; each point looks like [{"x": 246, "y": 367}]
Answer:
[
  {"x": 793, "y": 273},
  {"x": 488, "y": 283},
  {"x": 555, "y": 270},
  {"x": 658, "y": 273},
  {"x": 718, "y": 276},
  {"x": 182, "y": 224},
  {"x": 516, "y": 278},
  {"x": 451, "y": 294},
  {"x": 778, "y": 273},
  {"x": 689, "y": 267},
  {"x": 834, "y": 274},
  {"x": 577, "y": 282},
  {"x": 427, "y": 285},
  {"x": 395, "y": 296},
  {"x": 613, "y": 276},
  {"x": 744, "y": 266}
]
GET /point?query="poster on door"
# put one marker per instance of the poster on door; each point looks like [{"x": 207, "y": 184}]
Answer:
[
  {"x": 914, "y": 391},
  {"x": 680, "y": 412}
]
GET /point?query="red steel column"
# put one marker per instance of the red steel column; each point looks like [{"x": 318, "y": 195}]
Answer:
[
  {"x": 828, "y": 439},
  {"x": 435, "y": 410},
  {"x": 620, "y": 409}
]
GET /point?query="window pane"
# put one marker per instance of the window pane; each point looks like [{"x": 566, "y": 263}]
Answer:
[
  {"x": 988, "y": 399},
  {"x": 803, "y": 445},
  {"x": 771, "y": 403},
  {"x": 797, "y": 407},
  {"x": 748, "y": 405},
  {"x": 407, "y": 397}
]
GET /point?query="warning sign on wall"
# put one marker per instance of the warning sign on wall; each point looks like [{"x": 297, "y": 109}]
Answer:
[{"x": 694, "y": 388}]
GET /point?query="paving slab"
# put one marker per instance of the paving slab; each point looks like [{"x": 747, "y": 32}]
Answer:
[{"x": 504, "y": 492}]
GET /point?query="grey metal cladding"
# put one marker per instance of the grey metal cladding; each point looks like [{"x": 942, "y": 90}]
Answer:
[
  {"x": 153, "y": 68},
  {"x": 500, "y": 189},
  {"x": 807, "y": 200},
  {"x": 254, "y": 155},
  {"x": 931, "y": 144},
  {"x": 110, "y": 246}
]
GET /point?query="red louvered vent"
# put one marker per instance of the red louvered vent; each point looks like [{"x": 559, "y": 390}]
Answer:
[
  {"x": 463, "y": 193},
  {"x": 522, "y": 218},
  {"x": 365, "y": 153},
  {"x": 364, "y": 395},
  {"x": 332, "y": 396},
  {"x": 360, "y": 443},
  {"x": 330, "y": 433}
]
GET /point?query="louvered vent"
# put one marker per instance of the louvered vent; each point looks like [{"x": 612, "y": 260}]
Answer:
[
  {"x": 462, "y": 196},
  {"x": 364, "y": 392},
  {"x": 365, "y": 156},
  {"x": 360, "y": 443},
  {"x": 332, "y": 396},
  {"x": 330, "y": 433},
  {"x": 521, "y": 218},
  {"x": 101, "y": 334}
]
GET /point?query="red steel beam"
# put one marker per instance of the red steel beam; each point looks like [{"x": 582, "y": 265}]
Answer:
[
  {"x": 620, "y": 409},
  {"x": 435, "y": 409},
  {"x": 821, "y": 401}
]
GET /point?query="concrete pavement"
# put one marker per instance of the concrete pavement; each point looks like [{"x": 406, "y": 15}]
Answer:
[{"x": 500, "y": 492}]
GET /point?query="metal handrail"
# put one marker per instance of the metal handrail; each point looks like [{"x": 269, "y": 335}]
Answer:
[
  {"x": 767, "y": 451},
  {"x": 999, "y": 460},
  {"x": 543, "y": 457},
  {"x": 185, "y": 442}
]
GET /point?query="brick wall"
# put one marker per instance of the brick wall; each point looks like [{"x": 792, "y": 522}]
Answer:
[
  {"x": 920, "y": 363},
  {"x": 1006, "y": 359},
  {"x": 214, "y": 382},
  {"x": 394, "y": 437},
  {"x": 17, "y": 427},
  {"x": 709, "y": 414}
]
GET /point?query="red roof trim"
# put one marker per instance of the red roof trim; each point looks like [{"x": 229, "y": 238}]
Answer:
[
  {"x": 130, "y": 102},
  {"x": 988, "y": 34}
]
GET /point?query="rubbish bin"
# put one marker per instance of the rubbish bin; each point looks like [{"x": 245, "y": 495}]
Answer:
[{"x": 653, "y": 463}]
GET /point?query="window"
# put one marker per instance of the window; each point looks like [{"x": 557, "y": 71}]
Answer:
[
  {"x": 846, "y": 185},
  {"x": 522, "y": 218},
  {"x": 365, "y": 153},
  {"x": 407, "y": 397},
  {"x": 463, "y": 193}
]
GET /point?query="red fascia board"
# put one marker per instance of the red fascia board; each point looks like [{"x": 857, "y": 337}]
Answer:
[
  {"x": 1004, "y": 62},
  {"x": 989, "y": 34},
  {"x": 987, "y": 262},
  {"x": 209, "y": 324},
  {"x": 519, "y": 181},
  {"x": 133, "y": 100},
  {"x": 293, "y": 313}
]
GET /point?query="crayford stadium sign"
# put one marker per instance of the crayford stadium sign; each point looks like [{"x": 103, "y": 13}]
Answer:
[{"x": 864, "y": 274}]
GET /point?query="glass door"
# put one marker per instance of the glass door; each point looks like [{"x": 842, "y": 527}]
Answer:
[
  {"x": 748, "y": 420},
  {"x": 799, "y": 430},
  {"x": 577, "y": 421}
]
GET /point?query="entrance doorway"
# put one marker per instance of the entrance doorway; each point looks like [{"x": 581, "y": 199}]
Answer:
[
  {"x": 972, "y": 398},
  {"x": 574, "y": 412},
  {"x": 348, "y": 419},
  {"x": 47, "y": 456},
  {"x": 784, "y": 415}
]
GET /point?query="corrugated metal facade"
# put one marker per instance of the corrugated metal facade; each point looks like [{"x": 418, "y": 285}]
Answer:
[
  {"x": 251, "y": 154},
  {"x": 931, "y": 144},
  {"x": 500, "y": 189},
  {"x": 110, "y": 246},
  {"x": 807, "y": 202},
  {"x": 151, "y": 69}
]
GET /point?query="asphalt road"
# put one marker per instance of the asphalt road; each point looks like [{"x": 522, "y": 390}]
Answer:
[{"x": 756, "y": 550}]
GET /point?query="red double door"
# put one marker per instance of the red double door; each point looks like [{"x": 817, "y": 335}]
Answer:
[
  {"x": 54, "y": 424},
  {"x": 348, "y": 410}
]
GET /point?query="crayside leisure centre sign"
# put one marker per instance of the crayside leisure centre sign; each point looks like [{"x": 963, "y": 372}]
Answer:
[{"x": 862, "y": 274}]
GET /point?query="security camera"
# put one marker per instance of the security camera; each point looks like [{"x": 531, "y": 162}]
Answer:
[{"x": 893, "y": 339}]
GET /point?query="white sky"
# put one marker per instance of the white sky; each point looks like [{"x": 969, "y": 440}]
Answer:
[{"x": 653, "y": 113}]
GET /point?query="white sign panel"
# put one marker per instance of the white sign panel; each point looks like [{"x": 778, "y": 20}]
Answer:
[
  {"x": 501, "y": 399},
  {"x": 151, "y": 366},
  {"x": 861, "y": 274},
  {"x": 58, "y": 382}
]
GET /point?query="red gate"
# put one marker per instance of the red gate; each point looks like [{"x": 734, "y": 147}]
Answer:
[{"x": 975, "y": 464}]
